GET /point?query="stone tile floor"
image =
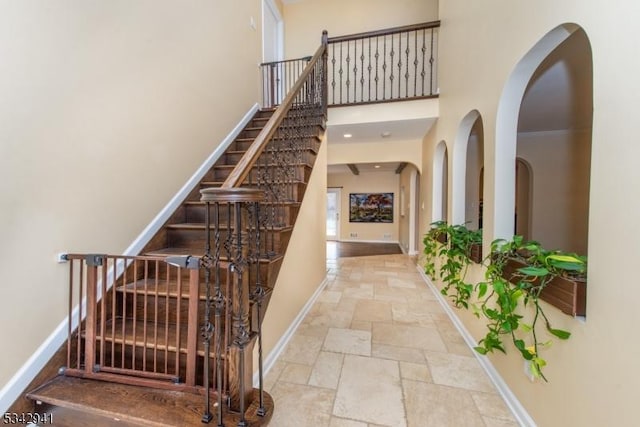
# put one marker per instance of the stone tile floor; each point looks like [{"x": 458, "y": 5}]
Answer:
[{"x": 377, "y": 349}]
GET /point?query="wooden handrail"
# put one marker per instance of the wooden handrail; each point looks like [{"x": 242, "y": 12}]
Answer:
[
  {"x": 304, "y": 58},
  {"x": 243, "y": 168},
  {"x": 387, "y": 31}
]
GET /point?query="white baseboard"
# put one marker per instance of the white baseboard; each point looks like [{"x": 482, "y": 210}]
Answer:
[
  {"x": 369, "y": 241},
  {"x": 519, "y": 412},
  {"x": 20, "y": 381},
  {"x": 273, "y": 355}
]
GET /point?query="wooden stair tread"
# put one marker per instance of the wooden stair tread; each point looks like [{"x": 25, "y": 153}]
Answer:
[
  {"x": 270, "y": 150},
  {"x": 267, "y": 203},
  {"x": 190, "y": 251},
  {"x": 97, "y": 403},
  {"x": 305, "y": 164},
  {"x": 201, "y": 226},
  {"x": 165, "y": 288},
  {"x": 165, "y": 340}
]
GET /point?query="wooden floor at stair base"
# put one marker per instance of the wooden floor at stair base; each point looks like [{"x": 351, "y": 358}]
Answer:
[{"x": 80, "y": 402}]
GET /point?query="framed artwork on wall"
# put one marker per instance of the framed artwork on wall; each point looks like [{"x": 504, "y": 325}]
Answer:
[{"x": 371, "y": 207}]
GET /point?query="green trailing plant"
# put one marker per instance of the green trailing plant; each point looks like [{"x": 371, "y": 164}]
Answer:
[
  {"x": 501, "y": 299},
  {"x": 455, "y": 252},
  {"x": 431, "y": 244},
  {"x": 517, "y": 272}
]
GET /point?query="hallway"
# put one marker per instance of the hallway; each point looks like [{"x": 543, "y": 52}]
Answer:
[{"x": 377, "y": 349}]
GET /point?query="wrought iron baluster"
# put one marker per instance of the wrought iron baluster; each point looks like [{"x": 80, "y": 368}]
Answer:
[
  {"x": 219, "y": 302},
  {"x": 340, "y": 74},
  {"x": 399, "y": 64},
  {"x": 384, "y": 68},
  {"x": 392, "y": 53},
  {"x": 406, "y": 75},
  {"x": 348, "y": 61},
  {"x": 355, "y": 70},
  {"x": 207, "y": 327},
  {"x": 333, "y": 74},
  {"x": 423, "y": 49},
  {"x": 377, "y": 57},
  {"x": 431, "y": 60},
  {"x": 362, "y": 70},
  {"x": 415, "y": 63},
  {"x": 258, "y": 296}
]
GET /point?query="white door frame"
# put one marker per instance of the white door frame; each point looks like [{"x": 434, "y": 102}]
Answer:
[
  {"x": 413, "y": 212},
  {"x": 338, "y": 192},
  {"x": 269, "y": 6}
]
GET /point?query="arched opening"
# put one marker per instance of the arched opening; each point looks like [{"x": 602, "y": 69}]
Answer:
[
  {"x": 545, "y": 119},
  {"x": 468, "y": 159},
  {"x": 440, "y": 183},
  {"x": 473, "y": 183}
]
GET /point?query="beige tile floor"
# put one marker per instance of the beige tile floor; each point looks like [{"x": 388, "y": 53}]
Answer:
[{"x": 377, "y": 349}]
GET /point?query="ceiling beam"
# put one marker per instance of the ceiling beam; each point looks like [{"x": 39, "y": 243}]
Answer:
[
  {"x": 353, "y": 168},
  {"x": 401, "y": 167}
]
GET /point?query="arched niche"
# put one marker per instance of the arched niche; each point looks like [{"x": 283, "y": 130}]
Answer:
[
  {"x": 468, "y": 161},
  {"x": 545, "y": 118}
]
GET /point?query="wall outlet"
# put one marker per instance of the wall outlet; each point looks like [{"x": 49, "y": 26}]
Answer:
[
  {"x": 352, "y": 234},
  {"x": 386, "y": 236}
]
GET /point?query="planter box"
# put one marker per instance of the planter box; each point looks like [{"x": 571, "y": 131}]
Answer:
[
  {"x": 441, "y": 238},
  {"x": 570, "y": 296},
  {"x": 475, "y": 253}
]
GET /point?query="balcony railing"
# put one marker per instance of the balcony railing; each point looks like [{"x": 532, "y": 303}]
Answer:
[{"x": 395, "y": 64}]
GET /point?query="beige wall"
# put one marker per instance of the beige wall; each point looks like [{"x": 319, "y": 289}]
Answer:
[
  {"x": 371, "y": 182},
  {"x": 305, "y": 20},
  {"x": 107, "y": 109},
  {"x": 593, "y": 376},
  {"x": 559, "y": 197}
]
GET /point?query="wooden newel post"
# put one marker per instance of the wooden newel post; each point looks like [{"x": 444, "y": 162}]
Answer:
[{"x": 240, "y": 357}]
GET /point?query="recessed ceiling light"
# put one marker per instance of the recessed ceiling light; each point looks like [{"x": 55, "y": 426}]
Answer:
[
  {"x": 385, "y": 134},
  {"x": 377, "y": 166},
  {"x": 347, "y": 135}
]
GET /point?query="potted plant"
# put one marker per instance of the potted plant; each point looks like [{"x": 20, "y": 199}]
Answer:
[
  {"x": 518, "y": 275},
  {"x": 460, "y": 248}
]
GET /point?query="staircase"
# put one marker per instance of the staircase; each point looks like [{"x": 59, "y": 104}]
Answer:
[{"x": 167, "y": 337}]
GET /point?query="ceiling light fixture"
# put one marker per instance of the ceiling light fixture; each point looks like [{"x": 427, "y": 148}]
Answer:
[
  {"x": 377, "y": 166},
  {"x": 385, "y": 134},
  {"x": 347, "y": 135}
]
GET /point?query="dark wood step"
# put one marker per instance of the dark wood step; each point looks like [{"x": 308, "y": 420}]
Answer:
[
  {"x": 302, "y": 171},
  {"x": 193, "y": 236},
  {"x": 81, "y": 402},
  {"x": 307, "y": 155},
  {"x": 242, "y": 143},
  {"x": 270, "y": 263}
]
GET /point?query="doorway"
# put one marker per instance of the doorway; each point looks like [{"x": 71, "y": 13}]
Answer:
[{"x": 333, "y": 214}]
